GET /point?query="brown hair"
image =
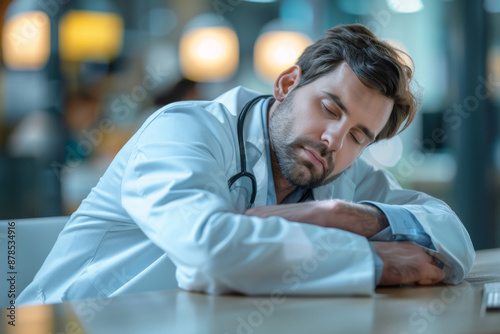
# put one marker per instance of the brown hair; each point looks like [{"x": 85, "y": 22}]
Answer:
[{"x": 377, "y": 64}]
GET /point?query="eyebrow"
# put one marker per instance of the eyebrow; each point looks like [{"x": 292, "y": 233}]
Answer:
[{"x": 339, "y": 103}]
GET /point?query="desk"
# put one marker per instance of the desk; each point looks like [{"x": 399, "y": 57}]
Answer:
[{"x": 410, "y": 309}]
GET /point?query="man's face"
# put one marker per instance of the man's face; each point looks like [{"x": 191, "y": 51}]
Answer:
[{"x": 318, "y": 130}]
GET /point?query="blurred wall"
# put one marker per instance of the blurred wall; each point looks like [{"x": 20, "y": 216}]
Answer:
[{"x": 61, "y": 124}]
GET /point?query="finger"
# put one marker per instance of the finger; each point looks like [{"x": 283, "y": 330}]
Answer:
[
  {"x": 434, "y": 262},
  {"x": 433, "y": 275},
  {"x": 431, "y": 254},
  {"x": 429, "y": 258}
]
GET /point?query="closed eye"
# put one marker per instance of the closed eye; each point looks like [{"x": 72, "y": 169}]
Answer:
[
  {"x": 329, "y": 111},
  {"x": 359, "y": 139},
  {"x": 355, "y": 139}
]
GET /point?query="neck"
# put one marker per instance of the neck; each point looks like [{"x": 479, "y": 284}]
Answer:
[{"x": 281, "y": 186}]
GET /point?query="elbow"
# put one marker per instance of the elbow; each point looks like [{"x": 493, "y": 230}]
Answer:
[
  {"x": 460, "y": 267},
  {"x": 209, "y": 274},
  {"x": 200, "y": 280}
]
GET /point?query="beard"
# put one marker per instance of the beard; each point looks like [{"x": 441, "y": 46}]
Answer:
[{"x": 300, "y": 173}]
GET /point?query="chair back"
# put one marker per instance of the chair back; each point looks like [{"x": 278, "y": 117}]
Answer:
[{"x": 32, "y": 239}]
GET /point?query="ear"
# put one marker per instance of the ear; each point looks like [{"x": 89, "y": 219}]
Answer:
[{"x": 286, "y": 81}]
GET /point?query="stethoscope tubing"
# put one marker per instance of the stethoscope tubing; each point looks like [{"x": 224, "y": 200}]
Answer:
[
  {"x": 243, "y": 159},
  {"x": 241, "y": 144}
]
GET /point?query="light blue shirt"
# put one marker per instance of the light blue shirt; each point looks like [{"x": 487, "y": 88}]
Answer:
[{"x": 403, "y": 226}]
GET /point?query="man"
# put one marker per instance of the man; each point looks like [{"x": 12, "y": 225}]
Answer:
[{"x": 342, "y": 227}]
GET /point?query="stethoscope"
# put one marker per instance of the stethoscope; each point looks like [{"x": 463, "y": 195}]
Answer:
[{"x": 243, "y": 159}]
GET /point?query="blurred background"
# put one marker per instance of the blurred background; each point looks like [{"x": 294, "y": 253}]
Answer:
[{"x": 78, "y": 78}]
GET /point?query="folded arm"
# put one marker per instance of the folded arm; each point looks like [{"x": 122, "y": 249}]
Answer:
[
  {"x": 363, "y": 219},
  {"x": 176, "y": 191},
  {"x": 403, "y": 262},
  {"x": 412, "y": 216}
]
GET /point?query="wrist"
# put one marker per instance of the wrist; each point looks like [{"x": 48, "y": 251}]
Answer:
[
  {"x": 355, "y": 217},
  {"x": 380, "y": 218},
  {"x": 370, "y": 219}
]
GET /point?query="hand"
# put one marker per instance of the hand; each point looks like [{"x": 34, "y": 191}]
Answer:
[
  {"x": 406, "y": 262},
  {"x": 362, "y": 219}
]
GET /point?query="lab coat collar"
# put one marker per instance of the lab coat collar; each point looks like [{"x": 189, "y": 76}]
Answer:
[
  {"x": 343, "y": 187},
  {"x": 236, "y": 98}
]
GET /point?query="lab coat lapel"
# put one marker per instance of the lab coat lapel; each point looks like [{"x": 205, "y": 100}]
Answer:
[
  {"x": 261, "y": 175},
  {"x": 343, "y": 188},
  {"x": 323, "y": 192},
  {"x": 235, "y": 100},
  {"x": 256, "y": 144}
]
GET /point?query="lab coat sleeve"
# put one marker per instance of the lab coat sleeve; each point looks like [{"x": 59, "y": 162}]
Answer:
[
  {"x": 173, "y": 189},
  {"x": 452, "y": 243}
]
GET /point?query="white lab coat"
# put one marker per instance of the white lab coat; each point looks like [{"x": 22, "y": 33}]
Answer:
[{"x": 165, "y": 197}]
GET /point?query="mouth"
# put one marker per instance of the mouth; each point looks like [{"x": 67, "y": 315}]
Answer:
[{"x": 315, "y": 158}]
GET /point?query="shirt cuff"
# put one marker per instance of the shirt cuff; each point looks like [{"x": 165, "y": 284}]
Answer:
[{"x": 403, "y": 226}]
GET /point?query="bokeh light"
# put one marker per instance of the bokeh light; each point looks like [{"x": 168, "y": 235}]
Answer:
[{"x": 275, "y": 51}]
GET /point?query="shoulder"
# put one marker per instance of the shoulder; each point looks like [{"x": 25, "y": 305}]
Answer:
[
  {"x": 360, "y": 178},
  {"x": 188, "y": 121},
  {"x": 345, "y": 185},
  {"x": 360, "y": 169},
  {"x": 199, "y": 118}
]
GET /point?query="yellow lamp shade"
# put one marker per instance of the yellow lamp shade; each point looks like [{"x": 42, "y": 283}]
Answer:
[
  {"x": 275, "y": 51},
  {"x": 89, "y": 35},
  {"x": 209, "y": 54},
  {"x": 26, "y": 41},
  {"x": 493, "y": 67}
]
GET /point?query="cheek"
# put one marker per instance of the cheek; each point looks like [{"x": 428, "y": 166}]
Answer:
[{"x": 310, "y": 127}]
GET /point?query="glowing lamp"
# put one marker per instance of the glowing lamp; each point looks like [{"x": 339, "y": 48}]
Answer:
[
  {"x": 406, "y": 6},
  {"x": 209, "y": 53},
  {"x": 26, "y": 41},
  {"x": 89, "y": 35},
  {"x": 275, "y": 51},
  {"x": 493, "y": 66}
]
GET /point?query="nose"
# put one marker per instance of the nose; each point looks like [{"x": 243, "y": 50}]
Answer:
[{"x": 334, "y": 136}]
